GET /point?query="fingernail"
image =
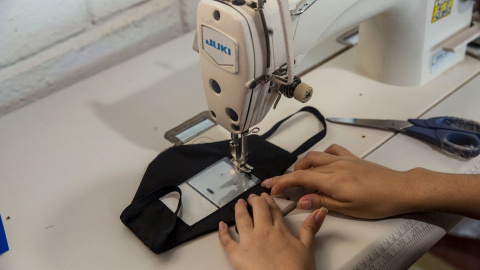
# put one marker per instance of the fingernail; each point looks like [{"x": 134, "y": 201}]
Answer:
[
  {"x": 222, "y": 226},
  {"x": 264, "y": 194},
  {"x": 305, "y": 204},
  {"x": 241, "y": 201},
  {"x": 320, "y": 215},
  {"x": 267, "y": 182}
]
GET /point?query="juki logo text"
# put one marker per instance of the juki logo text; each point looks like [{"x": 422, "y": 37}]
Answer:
[{"x": 219, "y": 46}]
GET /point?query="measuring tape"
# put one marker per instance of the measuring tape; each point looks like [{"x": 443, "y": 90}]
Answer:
[{"x": 401, "y": 247}]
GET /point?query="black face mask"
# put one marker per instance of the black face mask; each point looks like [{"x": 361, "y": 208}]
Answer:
[{"x": 161, "y": 229}]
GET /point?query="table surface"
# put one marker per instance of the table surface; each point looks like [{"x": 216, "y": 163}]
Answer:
[{"x": 71, "y": 162}]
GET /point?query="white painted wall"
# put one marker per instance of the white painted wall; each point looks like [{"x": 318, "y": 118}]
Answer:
[{"x": 50, "y": 44}]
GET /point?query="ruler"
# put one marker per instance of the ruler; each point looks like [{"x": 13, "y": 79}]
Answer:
[
  {"x": 399, "y": 248},
  {"x": 413, "y": 236}
]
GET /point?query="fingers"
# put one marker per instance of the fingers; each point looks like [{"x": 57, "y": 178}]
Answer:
[
  {"x": 265, "y": 212},
  {"x": 310, "y": 227},
  {"x": 226, "y": 239},
  {"x": 242, "y": 217},
  {"x": 338, "y": 150},
  {"x": 277, "y": 216},
  {"x": 302, "y": 178},
  {"x": 315, "y": 201},
  {"x": 312, "y": 201},
  {"x": 314, "y": 159},
  {"x": 261, "y": 210}
]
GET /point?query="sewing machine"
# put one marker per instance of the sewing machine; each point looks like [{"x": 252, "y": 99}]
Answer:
[{"x": 248, "y": 50}]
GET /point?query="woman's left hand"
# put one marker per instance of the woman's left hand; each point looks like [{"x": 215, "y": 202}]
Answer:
[{"x": 265, "y": 241}]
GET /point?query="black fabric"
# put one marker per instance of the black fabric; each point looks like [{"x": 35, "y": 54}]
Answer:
[
  {"x": 310, "y": 142},
  {"x": 153, "y": 239},
  {"x": 161, "y": 229}
]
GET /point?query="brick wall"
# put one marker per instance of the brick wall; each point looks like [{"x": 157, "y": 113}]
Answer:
[{"x": 47, "y": 45}]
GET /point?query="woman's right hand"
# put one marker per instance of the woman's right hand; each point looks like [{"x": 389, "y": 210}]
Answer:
[{"x": 350, "y": 185}]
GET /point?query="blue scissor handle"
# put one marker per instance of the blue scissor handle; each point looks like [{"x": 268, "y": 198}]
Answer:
[
  {"x": 449, "y": 123},
  {"x": 463, "y": 144}
]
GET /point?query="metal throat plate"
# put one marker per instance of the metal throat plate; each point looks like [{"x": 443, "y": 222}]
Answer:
[{"x": 220, "y": 182}]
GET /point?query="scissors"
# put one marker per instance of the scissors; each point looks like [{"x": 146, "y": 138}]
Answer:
[{"x": 455, "y": 135}]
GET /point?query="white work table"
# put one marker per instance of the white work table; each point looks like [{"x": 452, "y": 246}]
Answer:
[{"x": 71, "y": 162}]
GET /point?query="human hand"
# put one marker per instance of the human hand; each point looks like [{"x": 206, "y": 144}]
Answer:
[
  {"x": 350, "y": 185},
  {"x": 265, "y": 242}
]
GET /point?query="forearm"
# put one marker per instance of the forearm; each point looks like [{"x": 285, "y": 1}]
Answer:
[{"x": 452, "y": 193}]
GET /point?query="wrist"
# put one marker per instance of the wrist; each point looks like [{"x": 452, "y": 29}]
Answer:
[
  {"x": 433, "y": 191},
  {"x": 426, "y": 191},
  {"x": 421, "y": 194}
]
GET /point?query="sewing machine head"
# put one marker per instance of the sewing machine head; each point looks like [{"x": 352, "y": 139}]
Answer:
[
  {"x": 237, "y": 64},
  {"x": 240, "y": 80}
]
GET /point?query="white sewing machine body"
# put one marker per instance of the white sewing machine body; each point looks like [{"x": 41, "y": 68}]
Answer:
[{"x": 242, "y": 45}]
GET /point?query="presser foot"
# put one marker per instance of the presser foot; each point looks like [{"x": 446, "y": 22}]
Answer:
[{"x": 242, "y": 168}]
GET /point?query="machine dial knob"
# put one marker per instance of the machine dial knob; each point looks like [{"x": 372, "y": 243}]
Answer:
[{"x": 303, "y": 92}]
